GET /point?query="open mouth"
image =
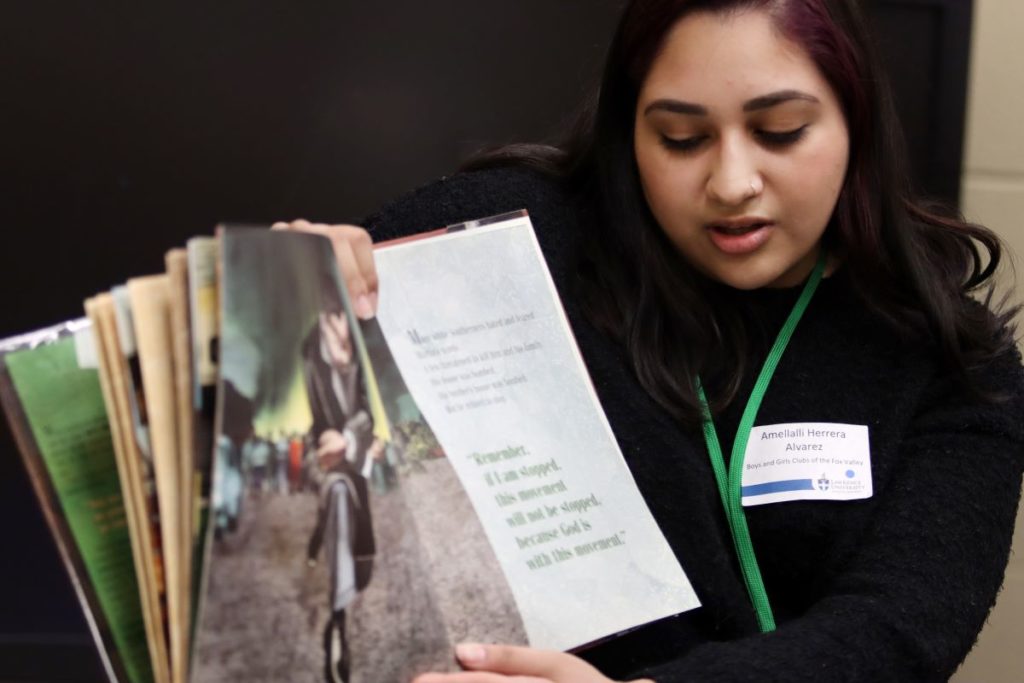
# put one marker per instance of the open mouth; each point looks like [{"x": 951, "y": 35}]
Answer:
[
  {"x": 739, "y": 227},
  {"x": 740, "y": 236}
]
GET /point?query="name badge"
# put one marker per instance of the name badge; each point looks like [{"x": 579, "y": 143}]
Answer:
[{"x": 806, "y": 461}]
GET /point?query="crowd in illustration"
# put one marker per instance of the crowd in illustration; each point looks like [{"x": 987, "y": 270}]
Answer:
[{"x": 281, "y": 465}]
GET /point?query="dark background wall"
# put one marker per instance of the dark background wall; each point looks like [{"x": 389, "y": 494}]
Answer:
[{"x": 127, "y": 127}]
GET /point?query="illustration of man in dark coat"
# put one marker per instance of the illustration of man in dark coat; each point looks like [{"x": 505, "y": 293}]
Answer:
[{"x": 342, "y": 434}]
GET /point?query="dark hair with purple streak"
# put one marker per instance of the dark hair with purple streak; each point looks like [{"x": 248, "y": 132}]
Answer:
[{"x": 912, "y": 263}]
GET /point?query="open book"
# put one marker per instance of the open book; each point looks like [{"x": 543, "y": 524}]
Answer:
[{"x": 380, "y": 490}]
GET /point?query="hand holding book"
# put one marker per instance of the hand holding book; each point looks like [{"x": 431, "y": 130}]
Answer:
[
  {"x": 483, "y": 662},
  {"x": 353, "y": 248}
]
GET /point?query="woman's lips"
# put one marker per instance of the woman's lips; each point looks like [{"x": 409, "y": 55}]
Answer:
[{"x": 739, "y": 237}]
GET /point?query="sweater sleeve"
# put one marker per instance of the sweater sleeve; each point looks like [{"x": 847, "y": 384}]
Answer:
[{"x": 910, "y": 604}]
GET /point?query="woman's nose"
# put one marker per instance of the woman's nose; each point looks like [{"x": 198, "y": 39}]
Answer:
[{"x": 734, "y": 178}]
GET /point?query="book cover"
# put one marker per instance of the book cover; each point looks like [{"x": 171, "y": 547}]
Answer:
[{"x": 51, "y": 393}]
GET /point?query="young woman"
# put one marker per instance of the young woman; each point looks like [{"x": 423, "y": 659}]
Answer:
[{"x": 738, "y": 191}]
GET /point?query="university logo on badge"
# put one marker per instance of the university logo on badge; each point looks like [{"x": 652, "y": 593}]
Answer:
[{"x": 823, "y": 483}]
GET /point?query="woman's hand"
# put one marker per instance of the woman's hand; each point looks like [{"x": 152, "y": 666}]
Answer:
[
  {"x": 509, "y": 664},
  {"x": 353, "y": 248}
]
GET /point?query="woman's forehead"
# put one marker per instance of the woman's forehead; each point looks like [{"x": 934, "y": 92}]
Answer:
[{"x": 726, "y": 58}]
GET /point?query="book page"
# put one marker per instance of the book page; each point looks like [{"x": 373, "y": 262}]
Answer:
[
  {"x": 181, "y": 347},
  {"x": 151, "y": 319},
  {"x": 117, "y": 327},
  {"x": 202, "y": 305},
  {"x": 148, "y": 561},
  {"x": 331, "y": 501},
  {"x": 488, "y": 356}
]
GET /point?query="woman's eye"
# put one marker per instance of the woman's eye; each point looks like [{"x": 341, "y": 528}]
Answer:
[
  {"x": 780, "y": 138},
  {"x": 683, "y": 144}
]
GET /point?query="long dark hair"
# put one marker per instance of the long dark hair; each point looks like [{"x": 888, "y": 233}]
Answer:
[{"x": 911, "y": 263}]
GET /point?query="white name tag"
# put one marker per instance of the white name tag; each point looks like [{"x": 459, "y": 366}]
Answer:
[{"x": 806, "y": 461}]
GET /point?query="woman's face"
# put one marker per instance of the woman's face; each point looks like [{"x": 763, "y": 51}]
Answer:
[{"x": 742, "y": 148}]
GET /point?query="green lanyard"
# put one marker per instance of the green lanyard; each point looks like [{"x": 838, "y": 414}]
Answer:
[{"x": 729, "y": 485}]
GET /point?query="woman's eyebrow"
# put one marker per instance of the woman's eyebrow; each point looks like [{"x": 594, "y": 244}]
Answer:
[
  {"x": 676, "y": 107},
  {"x": 755, "y": 104},
  {"x": 776, "y": 98}
]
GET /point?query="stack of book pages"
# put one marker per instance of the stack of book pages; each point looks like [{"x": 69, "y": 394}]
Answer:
[{"x": 246, "y": 481}]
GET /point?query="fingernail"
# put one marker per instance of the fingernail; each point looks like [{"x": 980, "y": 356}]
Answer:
[
  {"x": 470, "y": 653},
  {"x": 374, "y": 301},
  {"x": 364, "y": 309}
]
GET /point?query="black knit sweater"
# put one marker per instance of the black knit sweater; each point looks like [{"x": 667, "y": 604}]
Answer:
[{"x": 891, "y": 588}]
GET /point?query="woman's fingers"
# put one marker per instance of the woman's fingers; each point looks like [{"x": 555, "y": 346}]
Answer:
[
  {"x": 355, "y": 278},
  {"x": 353, "y": 250},
  {"x": 509, "y": 664},
  {"x": 523, "y": 661},
  {"x": 512, "y": 664},
  {"x": 477, "y": 677},
  {"x": 362, "y": 252}
]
